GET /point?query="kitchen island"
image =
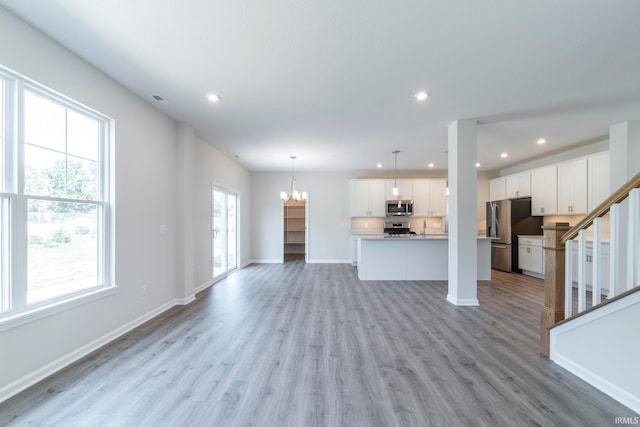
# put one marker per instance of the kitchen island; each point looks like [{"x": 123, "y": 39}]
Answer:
[{"x": 418, "y": 257}]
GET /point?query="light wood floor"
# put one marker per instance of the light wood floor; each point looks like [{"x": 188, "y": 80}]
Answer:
[{"x": 299, "y": 344}]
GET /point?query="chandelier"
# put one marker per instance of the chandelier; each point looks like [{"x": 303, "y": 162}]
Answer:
[{"x": 294, "y": 194}]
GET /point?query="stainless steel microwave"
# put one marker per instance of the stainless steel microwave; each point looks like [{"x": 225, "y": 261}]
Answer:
[{"x": 399, "y": 207}]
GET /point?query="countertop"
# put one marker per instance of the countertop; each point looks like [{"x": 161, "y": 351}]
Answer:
[
  {"x": 414, "y": 237},
  {"x": 605, "y": 239}
]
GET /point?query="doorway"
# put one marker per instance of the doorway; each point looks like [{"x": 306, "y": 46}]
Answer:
[
  {"x": 224, "y": 232},
  {"x": 295, "y": 230}
]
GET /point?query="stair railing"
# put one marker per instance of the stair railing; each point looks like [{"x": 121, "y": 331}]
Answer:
[{"x": 560, "y": 258}]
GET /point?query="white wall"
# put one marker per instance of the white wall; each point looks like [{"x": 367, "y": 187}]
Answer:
[
  {"x": 602, "y": 348},
  {"x": 145, "y": 198},
  {"x": 329, "y": 215}
]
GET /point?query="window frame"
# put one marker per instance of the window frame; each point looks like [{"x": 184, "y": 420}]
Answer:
[{"x": 14, "y": 309}]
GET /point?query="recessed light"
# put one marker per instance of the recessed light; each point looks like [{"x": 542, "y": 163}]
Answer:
[
  {"x": 503, "y": 155},
  {"x": 542, "y": 141},
  {"x": 421, "y": 96},
  {"x": 379, "y": 165},
  {"x": 431, "y": 165},
  {"x": 212, "y": 97},
  {"x": 477, "y": 165}
]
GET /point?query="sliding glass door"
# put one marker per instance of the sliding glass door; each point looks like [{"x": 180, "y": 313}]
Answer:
[{"x": 224, "y": 231}]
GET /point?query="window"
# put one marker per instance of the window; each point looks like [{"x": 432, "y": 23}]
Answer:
[{"x": 54, "y": 200}]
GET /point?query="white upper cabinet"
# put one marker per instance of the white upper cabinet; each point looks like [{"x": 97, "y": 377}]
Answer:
[
  {"x": 518, "y": 185},
  {"x": 368, "y": 197},
  {"x": 544, "y": 191},
  {"x": 405, "y": 187},
  {"x": 598, "y": 173},
  {"x": 497, "y": 189},
  {"x": 430, "y": 197},
  {"x": 359, "y": 197},
  {"x": 377, "y": 198},
  {"x": 510, "y": 187},
  {"x": 572, "y": 187}
]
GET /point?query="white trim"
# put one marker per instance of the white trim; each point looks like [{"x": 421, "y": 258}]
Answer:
[
  {"x": 614, "y": 250},
  {"x": 26, "y": 316},
  {"x": 469, "y": 302},
  {"x": 533, "y": 274},
  {"x": 185, "y": 301},
  {"x": 265, "y": 261},
  {"x": 204, "y": 286},
  {"x": 568, "y": 278},
  {"x": 591, "y": 316},
  {"x": 212, "y": 282},
  {"x": 595, "y": 380},
  {"x": 329, "y": 261},
  {"x": 27, "y": 381},
  {"x": 629, "y": 400}
]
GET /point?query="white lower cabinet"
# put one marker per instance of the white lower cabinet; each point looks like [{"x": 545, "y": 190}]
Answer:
[
  {"x": 531, "y": 255},
  {"x": 588, "y": 259}
]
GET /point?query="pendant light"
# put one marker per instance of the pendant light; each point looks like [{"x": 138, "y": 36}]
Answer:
[
  {"x": 294, "y": 194},
  {"x": 396, "y": 190}
]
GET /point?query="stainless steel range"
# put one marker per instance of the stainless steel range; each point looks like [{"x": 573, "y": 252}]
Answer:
[{"x": 398, "y": 229}]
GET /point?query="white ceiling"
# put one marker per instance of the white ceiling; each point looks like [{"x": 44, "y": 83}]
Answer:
[{"x": 332, "y": 81}]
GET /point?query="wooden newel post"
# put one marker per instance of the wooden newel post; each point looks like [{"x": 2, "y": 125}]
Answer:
[{"x": 553, "y": 309}]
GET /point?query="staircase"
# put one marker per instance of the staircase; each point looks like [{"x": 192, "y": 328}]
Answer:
[{"x": 590, "y": 318}]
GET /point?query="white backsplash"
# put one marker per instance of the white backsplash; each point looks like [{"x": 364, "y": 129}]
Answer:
[
  {"x": 435, "y": 225},
  {"x": 367, "y": 225}
]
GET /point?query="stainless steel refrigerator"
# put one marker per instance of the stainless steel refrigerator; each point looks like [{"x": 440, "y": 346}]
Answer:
[{"x": 506, "y": 219}]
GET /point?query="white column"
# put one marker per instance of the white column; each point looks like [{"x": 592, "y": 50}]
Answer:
[
  {"x": 185, "y": 141},
  {"x": 463, "y": 248},
  {"x": 624, "y": 152}
]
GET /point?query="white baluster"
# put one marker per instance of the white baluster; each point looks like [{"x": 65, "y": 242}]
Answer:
[
  {"x": 582, "y": 270},
  {"x": 568, "y": 278},
  {"x": 614, "y": 250},
  {"x": 633, "y": 237},
  {"x": 597, "y": 251}
]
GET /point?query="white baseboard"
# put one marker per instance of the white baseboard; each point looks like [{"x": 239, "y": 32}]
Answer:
[
  {"x": 622, "y": 395},
  {"x": 27, "y": 381},
  {"x": 329, "y": 261},
  {"x": 627, "y": 399},
  {"x": 533, "y": 274},
  {"x": 185, "y": 301},
  {"x": 469, "y": 302},
  {"x": 210, "y": 283},
  {"x": 265, "y": 261},
  {"x": 204, "y": 286}
]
